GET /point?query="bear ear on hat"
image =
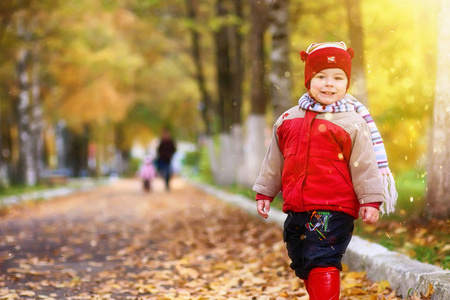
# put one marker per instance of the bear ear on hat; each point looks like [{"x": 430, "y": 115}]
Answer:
[
  {"x": 351, "y": 52},
  {"x": 303, "y": 55}
]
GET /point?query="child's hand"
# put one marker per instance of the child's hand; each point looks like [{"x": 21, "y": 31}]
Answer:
[
  {"x": 263, "y": 207},
  {"x": 369, "y": 214}
]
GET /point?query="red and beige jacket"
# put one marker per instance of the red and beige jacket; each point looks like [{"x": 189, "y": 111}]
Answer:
[{"x": 321, "y": 161}]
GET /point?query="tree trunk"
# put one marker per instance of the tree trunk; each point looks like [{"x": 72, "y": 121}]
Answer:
[
  {"x": 79, "y": 152},
  {"x": 3, "y": 170},
  {"x": 6, "y": 127},
  {"x": 359, "y": 88},
  {"x": 438, "y": 183},
  {"x": 212, "y": 156},
  {"x": 238, "y": 65},
  {"x": 7, "y": 10},
  {"x": 223, "y": 65},
  {"x": 238, "y": 76},
  {"x": 206, "y": 104},
  {"x": 37, "y": 122},
  {"x": 225, "y": 174},
  {"x": 279, "y": 77},
  {"x": 255, "y": 146},
  {"x": 61, "y": 145},
  {"x": 26, "y": 171}
]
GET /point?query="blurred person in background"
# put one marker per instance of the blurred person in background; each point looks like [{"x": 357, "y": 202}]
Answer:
[
  {"x": 165, "y": 152},
  {"x": 147, "y": 172}
]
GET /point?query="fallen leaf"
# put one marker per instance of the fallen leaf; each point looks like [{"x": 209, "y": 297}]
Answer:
[
  {"x": 430, "y": 291},
  {"x": 383, "y": 285},
  {"x": 4, "y": 255},
  {"x": 27, "y": 293},
  {"x": 445, "y": 248},
  {"x": 9, "y": 296}
]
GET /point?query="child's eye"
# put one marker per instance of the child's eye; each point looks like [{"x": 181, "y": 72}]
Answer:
[
  {"x": 339, "y": 78},
  {"x": 320, "y": 76}
]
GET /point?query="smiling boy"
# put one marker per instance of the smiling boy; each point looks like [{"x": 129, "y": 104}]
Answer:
[{"x": 322, "y": 158}]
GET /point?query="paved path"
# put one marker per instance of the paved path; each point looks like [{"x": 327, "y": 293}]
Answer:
[{"x": 117, "y": 242}]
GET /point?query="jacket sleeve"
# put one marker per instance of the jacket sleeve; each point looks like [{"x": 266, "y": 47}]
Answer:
[
  {"x": 363, "y": 167},
  {"x": 268, "y": 182}
]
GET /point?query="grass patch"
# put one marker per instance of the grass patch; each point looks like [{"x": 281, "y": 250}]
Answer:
[
  {"x": 411, "y": 193},
  {"x": 421, "y": 239},
  {"x": 20, "y": 189},
  {"x": 75, "y": 183}
]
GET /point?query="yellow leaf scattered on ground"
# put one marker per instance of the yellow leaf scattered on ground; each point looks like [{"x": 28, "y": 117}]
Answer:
[
  {"x": 383, "y": 285},
  {"x": 27, "y": 293},
  {"x": 9, "y": 296},
  {"x": 445, "y": 248},
  {"x": 430, "y": 290}
]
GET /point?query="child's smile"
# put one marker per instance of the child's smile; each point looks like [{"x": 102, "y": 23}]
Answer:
[{"x": 328, "y": 93}]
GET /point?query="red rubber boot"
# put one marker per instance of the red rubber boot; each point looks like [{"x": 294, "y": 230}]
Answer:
[
  {"x": 324, "y": 284},
  {"x": 306, "y": 285}
]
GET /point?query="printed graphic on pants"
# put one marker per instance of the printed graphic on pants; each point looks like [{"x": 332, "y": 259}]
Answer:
[{"x": 319, "y": 222}]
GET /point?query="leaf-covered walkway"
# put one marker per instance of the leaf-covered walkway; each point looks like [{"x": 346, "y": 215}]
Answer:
[{"x": 117, "y": 242}]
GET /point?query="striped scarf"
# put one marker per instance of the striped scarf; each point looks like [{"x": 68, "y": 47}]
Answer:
[{"x": 350, "y": 104}]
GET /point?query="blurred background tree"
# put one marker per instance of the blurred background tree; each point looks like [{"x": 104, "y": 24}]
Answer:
[
  {"x": 84, "y": 82},
  {"x": 438, "y": 187}
]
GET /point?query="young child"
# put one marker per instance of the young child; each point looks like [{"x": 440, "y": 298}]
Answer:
[
  {"x": 147, "y": 172},
  {"x": 327, "y": 157}
]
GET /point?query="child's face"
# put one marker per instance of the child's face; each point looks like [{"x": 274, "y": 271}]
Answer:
[{"x": 329, "y": 86}]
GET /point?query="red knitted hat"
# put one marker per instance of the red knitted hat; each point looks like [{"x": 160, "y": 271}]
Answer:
[{"x": 325, "y": 56}]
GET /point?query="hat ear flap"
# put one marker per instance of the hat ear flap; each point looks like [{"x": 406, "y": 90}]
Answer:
[
  {"x": 351, "y": 52},
  {"x": 303, "y": 55}
]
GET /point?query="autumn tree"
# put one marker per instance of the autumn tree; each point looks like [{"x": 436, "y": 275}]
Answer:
[
  {"x": 99, "y": 67},
  {"x": 160, "y": 32},
  {"x": 272, "y": 14},
  {"x": 356, "y": 34},
  {"x": 238, "y": 62},
  {"x": 24, "y": 105},
  {"x": 206, "y": 101},
  {"x": 7, "y": 10},
  {"x": 256, "y": 124},
  {"x": 223, "y": 66},
  {"x": 280, "y": 73},
  {"x": 206, "y": 104},
  {"x": 30, "y": 26},
  {"x": 438, "y": 183},
  {"x": 228, "y": 38},
  {"x": 238, "y": 70},
  {"x": 225, "y": 172}
]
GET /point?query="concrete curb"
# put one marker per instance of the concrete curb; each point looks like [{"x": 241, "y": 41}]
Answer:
[{"x": 404, "y": 274}]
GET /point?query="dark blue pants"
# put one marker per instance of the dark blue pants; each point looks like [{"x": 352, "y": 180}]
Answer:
[
  {"x": 165, "y": 170},
  {"x": 317, "y": 239}
]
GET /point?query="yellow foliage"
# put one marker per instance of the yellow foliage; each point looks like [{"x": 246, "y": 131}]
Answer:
[
  {"x": 97, "y": 103},
  {"x": 401, "y": 74}
]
